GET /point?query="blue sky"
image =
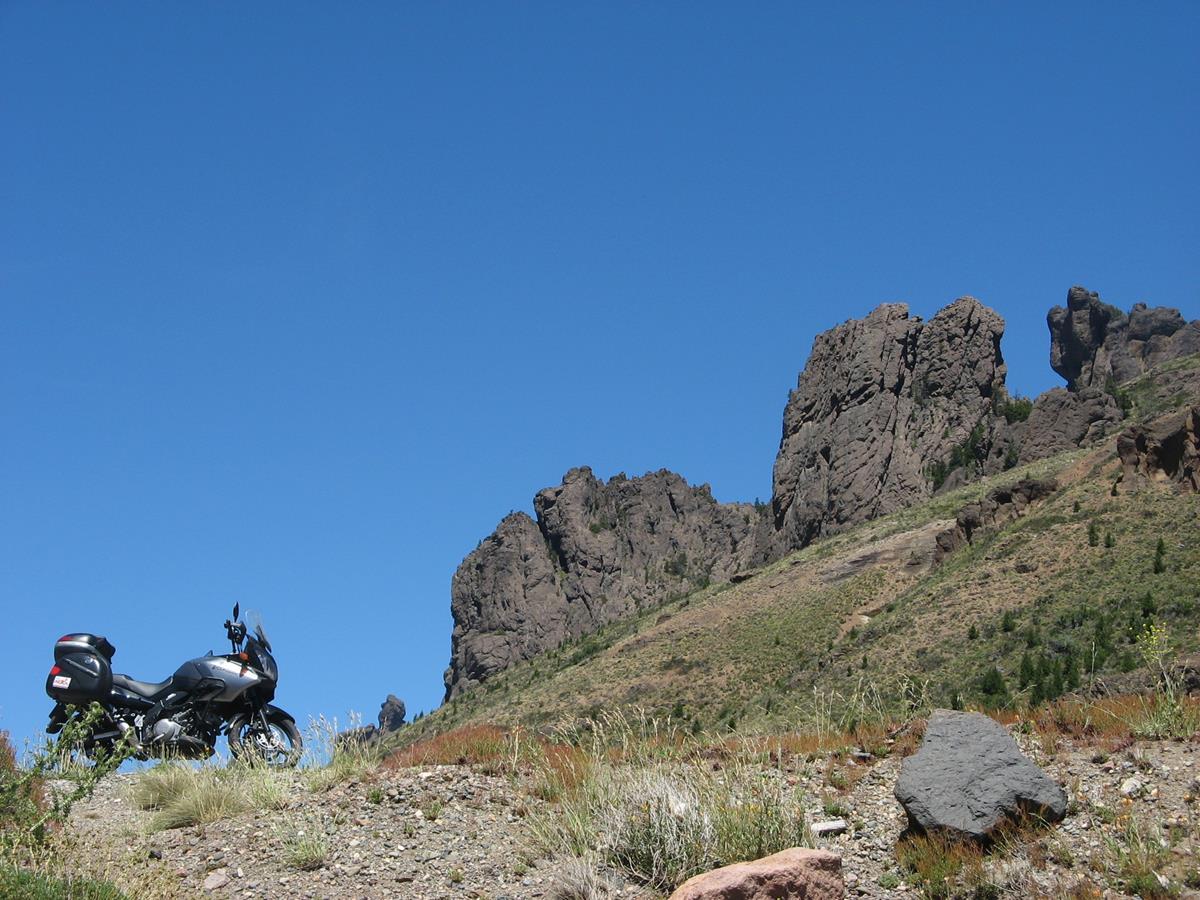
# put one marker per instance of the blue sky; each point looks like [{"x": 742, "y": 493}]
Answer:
[{"x": 300, "y": 299}]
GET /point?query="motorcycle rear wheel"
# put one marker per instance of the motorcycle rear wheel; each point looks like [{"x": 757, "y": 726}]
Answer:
[{"x": 279, "y": 745}]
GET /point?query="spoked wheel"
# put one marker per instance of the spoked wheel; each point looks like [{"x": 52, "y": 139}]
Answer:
[{"x": 269, "y": 737}]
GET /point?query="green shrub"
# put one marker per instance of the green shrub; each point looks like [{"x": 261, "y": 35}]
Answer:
[
  {"x": 1160, "y": 557},
  {"x": 26, "y": 885},
  {"x": 27, "y": 808}
]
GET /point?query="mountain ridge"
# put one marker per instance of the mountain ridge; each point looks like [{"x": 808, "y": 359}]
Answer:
[{"x": 888, "y": 411}]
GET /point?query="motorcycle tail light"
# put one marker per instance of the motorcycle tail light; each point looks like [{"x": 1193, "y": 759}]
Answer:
[{"x": 55, "y": 670}]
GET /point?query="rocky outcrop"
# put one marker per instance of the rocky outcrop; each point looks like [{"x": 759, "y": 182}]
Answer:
[
  {"x": 596, "y": 553},
  {"x": 1096, "y": 347},
  {"x": 998, "y": 508},
  {"x": 969, "y": 778},
  {"x": 1062, "y": 420},
  {"x": 1093, "y": 344},
  {"x": 391, "y": 718},
  {"x": 798, "y": 873},
  {"x": 881, "y": 401},
  {"x": 1166, "y": 452}
]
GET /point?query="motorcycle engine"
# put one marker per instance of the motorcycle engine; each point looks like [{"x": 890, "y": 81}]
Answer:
[{"x": 165, "y": 731}]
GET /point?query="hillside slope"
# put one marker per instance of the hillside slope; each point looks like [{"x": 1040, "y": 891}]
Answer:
[
  {"x": 1054, "y": 599},
  {"x": 888, "y": 411}
]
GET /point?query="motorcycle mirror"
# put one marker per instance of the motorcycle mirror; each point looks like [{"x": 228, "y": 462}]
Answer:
[{"x": 236, "y": 609}]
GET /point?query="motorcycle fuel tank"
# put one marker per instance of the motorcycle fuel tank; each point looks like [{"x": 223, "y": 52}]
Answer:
[{"x": 235, "y": 675}]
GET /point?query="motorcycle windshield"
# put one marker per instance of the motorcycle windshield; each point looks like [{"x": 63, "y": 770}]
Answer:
[{"x": 254, "y": 620}]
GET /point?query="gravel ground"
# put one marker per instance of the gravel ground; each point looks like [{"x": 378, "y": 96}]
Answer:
[{"x": 452, "y": 832}]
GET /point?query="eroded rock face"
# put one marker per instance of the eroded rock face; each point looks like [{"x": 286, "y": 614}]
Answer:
[
  {"x": 798, "y": 874},
  {"x": 880, "y": 400},
  {"x": 969, "y": 777},
  {"x": 1063, "y": 420},
  {"x": 1092, "y": 342},
  {"x": 1097, "y": 347},
  {"x": 507, "y": 603},
  {"x": 597, "y": 552},
  {"x": 392, "y": 713},
  {"x": 1166, "y": 452},
  {"x": 998, "y": 508}
]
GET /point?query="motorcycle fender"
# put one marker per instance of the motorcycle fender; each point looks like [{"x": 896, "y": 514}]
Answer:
[{"x": 281, "y": 713}]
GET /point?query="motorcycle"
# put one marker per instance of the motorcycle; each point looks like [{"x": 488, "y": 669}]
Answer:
[{"x": 183, "y": 716}]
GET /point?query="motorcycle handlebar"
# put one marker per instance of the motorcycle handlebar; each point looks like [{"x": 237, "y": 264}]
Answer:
[{"x": 235, "y": 631}]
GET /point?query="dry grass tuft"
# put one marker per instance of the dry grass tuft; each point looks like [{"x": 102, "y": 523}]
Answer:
[
  {"x": 639, "y": 796},
  {"x": 937, "y": 864},
  {"x": 181, "y": 795}
]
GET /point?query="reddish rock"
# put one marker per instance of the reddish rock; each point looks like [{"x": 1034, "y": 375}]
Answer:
[
  {"x": 796, "y": 874},
  {"x": 1167, "y": 452}
]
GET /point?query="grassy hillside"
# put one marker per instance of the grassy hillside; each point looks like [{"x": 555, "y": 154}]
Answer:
[{"x": 1051, "y": 603}]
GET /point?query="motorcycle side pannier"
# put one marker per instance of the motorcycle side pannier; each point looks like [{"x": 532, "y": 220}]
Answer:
[{"x": 81, "y": 671}]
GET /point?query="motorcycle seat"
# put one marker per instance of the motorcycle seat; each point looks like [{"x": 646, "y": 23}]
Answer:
[{"x": 145, "y": 689}]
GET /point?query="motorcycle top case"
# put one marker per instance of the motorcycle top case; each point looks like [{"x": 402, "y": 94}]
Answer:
[
  {"x": 83, "y": 643},
  {"x": 81, "y": 671}
]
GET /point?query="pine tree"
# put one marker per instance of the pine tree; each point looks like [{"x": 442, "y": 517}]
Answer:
[
  {"x": 1071, "y": 672},
  {"x": 1027, "y": 674},
  {"x": 1160, "y": 561},
  {"x": 993, "y": 688},
  {"x": 1093, "y": 534}
]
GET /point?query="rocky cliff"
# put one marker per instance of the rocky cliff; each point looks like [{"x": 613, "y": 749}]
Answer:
[
  {"x": 882, "y": 404},
  {"x": 596, "y": 552},
  {"x": 888, "y": 410}
]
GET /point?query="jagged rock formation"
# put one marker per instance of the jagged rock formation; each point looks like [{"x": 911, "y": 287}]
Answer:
[
  {"x": 1096, "y": 347},
  {"x": 888, "y": 410},
  {"x": 1167, "y": 452},
  {"x": 391, "y": 718},
  {"x": 597, "y": 552},
  {"x": 1092, "y": 342},
  {"x": 880, "y": 400}
]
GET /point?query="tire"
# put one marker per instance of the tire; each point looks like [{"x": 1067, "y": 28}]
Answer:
[{"x": 279, "y": 746}]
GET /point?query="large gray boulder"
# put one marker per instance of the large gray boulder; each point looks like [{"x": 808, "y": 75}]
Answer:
[{"x": 969, "y": 777}]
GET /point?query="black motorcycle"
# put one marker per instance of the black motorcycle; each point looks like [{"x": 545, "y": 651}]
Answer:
[{"x": 184, "y": 715}]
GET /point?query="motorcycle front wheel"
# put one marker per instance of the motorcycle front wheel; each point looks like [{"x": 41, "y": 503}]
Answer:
[{"x": 276, "y": 744}]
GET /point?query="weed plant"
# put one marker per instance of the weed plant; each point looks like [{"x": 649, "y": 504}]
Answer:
[{"x": 643, "y": 799}]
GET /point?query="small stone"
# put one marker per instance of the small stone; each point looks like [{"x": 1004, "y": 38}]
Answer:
[
  {"x": 216, "y": 880},
  {"x": 832, "y": 827},
  {"x": 1131, "y": 787}
]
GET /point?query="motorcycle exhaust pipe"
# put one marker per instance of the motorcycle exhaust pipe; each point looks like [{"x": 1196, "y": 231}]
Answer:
[{"x": 128, "y": 732}]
